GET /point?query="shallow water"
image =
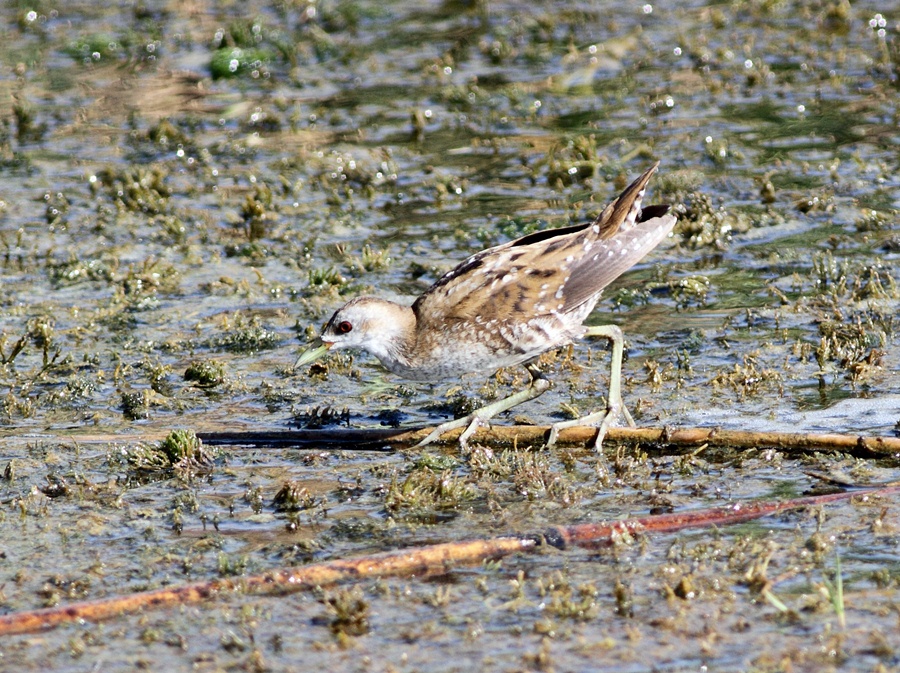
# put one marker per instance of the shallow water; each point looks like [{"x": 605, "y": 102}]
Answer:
[{"x": 153, "y": 217}]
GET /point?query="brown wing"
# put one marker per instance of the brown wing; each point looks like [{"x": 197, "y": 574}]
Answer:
[
  {"x": 554, "y": 270},
  {"x": 610, "y": 258},
  {"x": 501, "y": 282}
]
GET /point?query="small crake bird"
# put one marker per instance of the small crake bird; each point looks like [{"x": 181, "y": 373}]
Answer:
[{"x": 505, "y": 306}]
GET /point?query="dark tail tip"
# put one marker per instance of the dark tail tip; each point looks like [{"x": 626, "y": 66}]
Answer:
[{"x": 650, "y": 212}]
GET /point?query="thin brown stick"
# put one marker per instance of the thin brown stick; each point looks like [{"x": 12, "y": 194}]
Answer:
[
  {"x": 435, "y": 558},
  {"x": 685, "y": 438},
  {"x": 431, "y": 559},
  {"x": 671, "y": 439},
  {"x": 590, "y": 534}
]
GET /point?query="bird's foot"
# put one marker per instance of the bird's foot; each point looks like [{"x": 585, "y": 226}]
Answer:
[
  {"x": 604, "y": 419},
  {"x": 480, "y": 417},
  {"x": 471, "y": 423}
]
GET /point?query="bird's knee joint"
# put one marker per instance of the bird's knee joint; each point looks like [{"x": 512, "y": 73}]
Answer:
[{"x": 542, "y": 385}]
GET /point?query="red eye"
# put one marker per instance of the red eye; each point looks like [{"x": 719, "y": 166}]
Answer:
[{"x": 344, "y": 327}]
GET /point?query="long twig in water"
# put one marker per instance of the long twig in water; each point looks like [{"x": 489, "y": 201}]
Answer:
[
  {"x": 432, "y": 559},
  {"x": 386, "y": 439},
  {"x": 687, "y": 438}
]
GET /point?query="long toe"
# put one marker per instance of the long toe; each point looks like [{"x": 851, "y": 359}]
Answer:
[
  {"x": 614, "y": 412},
  {"x": 603, "y": 419},
  {"x": 553, "y": 436},
  {"x": 435, "y": 434},
  {"x": 472, "y": 428},
  {"x": 590, "y": 419},
  {"x": 465, "y": 422},
  {"x": 628, "y": 418},
  {"x": 602, "y": 429},
  {"x": 480, "y": 416}
]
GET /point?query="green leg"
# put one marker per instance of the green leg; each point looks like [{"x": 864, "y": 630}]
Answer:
[
  {"x": 614, "y": 405},
  {"x": 539, "y": 385}
]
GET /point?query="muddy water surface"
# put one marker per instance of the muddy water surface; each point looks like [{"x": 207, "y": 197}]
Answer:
[{"x": 188, "y": 190}]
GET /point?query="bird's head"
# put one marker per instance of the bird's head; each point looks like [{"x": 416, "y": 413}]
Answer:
[{"x": 375, "y": 325}]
